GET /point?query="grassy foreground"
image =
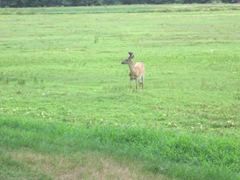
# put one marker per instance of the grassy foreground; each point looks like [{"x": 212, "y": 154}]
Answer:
[{"x": 65, "y": 106}]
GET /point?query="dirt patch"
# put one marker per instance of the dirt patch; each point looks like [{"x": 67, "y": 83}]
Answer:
[{"x": 86, "y": 165}]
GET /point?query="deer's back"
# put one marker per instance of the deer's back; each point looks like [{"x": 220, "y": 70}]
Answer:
[
  {"x": 137, "y": 70},
  {"x": 140, "y": 68}
]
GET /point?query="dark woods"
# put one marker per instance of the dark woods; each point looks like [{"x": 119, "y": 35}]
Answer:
[{"x": 50, "y": 3}]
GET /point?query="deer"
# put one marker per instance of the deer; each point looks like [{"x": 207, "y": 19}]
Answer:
[{"x": 136, "y": 71}]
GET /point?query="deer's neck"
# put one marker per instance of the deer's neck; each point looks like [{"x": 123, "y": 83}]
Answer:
[{"x": 131, "y": 66}]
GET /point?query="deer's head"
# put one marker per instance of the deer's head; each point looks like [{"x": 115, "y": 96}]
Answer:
[{"x": 129, "y": 59}]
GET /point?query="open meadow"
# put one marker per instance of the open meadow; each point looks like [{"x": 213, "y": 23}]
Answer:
[{"x": 66, "y": 111}]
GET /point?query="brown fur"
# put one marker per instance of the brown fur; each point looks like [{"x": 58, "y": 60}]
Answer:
[{"x": 136, "y": 71}]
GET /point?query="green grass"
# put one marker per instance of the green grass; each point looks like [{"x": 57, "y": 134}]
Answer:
[
  {"x": 167, "y": 152},
  {"x": 65, "y": 97},
  {"x": 123, "y": 9}
]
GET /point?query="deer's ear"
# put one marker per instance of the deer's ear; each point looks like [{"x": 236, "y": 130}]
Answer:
[{"x": 130, "y": 53}]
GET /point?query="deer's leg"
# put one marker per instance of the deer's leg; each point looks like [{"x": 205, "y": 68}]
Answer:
[
  {"x": 130, "y": 85},
  {"x": 137, "y": 84},
  {"x": 142, "y": 81}
]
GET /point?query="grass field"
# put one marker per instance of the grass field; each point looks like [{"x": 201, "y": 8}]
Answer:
[{"x": 66, "y": 111}]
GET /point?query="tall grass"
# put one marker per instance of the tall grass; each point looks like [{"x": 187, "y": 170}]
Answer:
[{"x": 168, "y": 152}]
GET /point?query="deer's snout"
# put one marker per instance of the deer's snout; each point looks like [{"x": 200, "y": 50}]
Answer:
[{"x": 125, "y": 61}]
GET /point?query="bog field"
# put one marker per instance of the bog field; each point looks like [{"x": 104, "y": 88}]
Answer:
[{"x": 66, "y": 110}]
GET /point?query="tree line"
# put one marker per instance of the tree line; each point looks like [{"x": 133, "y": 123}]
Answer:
[{"x": 51, "y": 3}]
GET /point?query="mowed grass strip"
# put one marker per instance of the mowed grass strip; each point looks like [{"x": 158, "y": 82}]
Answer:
[
  {"x": 23, "y": 163},
  {"x": 122, "y": 9}
]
